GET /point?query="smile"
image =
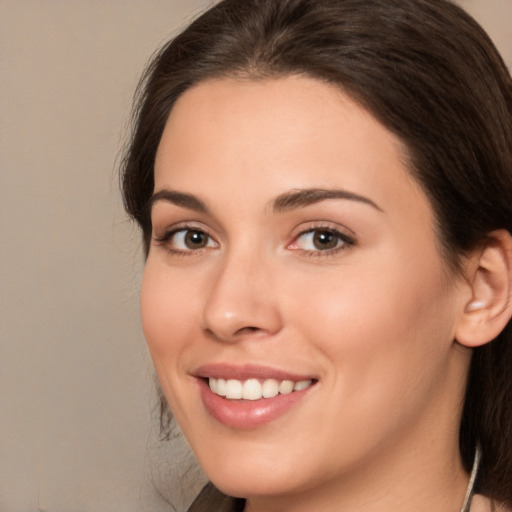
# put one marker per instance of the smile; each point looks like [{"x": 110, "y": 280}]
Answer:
[
  {"x": 255, "y": 389},
  {"x": 250, "y": 396}
]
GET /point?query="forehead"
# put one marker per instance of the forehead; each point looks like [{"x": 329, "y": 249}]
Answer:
[{"x": 271, "y": 135}]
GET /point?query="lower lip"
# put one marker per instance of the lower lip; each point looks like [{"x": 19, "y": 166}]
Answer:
[{"x": 247, "y": 414}]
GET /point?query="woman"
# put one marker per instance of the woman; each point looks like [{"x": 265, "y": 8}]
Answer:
[{"x": 325, "y": 193}]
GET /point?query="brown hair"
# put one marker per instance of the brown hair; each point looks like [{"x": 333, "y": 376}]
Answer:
[{"x": 431, "y": 75}]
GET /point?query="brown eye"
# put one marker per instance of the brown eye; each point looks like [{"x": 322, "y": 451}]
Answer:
[
  {"x": 325, "y": 240},
  {"x": 186, "y": 240},
  {"x": 195, "y": 239},
  {"x": 322, "y": 240}
]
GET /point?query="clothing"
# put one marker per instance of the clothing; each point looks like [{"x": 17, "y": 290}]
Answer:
[{"x": 212, "y": 500}]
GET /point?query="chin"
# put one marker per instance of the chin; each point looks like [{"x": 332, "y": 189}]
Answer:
[
  {"x": 245, "y": 471},
  {"x": 253, "y": 483}
]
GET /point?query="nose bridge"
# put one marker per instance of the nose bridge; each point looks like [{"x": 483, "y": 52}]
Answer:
[{"x": 240, "y": 301}]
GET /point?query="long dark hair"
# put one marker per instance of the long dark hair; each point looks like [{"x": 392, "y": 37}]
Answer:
[{"x": 430, "y": 74}]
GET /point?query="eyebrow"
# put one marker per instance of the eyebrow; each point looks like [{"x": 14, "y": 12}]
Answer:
[
  {"x": 179, "y": 199},
  {"x": 305, "y": 197},
  {"x": 285, "y": 202}
]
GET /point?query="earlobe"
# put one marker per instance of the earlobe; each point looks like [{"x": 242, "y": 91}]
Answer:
[{"x": 489, "y": 309}]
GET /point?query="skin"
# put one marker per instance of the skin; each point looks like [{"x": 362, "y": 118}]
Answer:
[{"x": 374, "y": 320}]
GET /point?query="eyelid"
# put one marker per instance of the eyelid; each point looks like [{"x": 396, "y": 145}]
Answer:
[
  {"x": 326, "y": 225},
  {"x": 346, "y": 237},
  {"x": 164, "y": 237},
  {"x": 165, "y": 232},
  {"x": 348, "y": 240}
]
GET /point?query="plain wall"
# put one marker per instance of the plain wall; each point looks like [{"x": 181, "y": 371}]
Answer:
[{"x": 76, "y": 431}]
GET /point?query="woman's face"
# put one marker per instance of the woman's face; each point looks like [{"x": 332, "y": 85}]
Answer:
[{"x": 292, "y": 249}]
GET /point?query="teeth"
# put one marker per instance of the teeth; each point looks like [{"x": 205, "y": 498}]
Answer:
[
  {"x": 253, "y": 389},
  {"x": 234, "y": 389},
  {"x": 270, "y": 388},
  {"x": 221, "y": 387},
  {"x": 302, "y": 384},
  {"x": 286, "y": 387}
]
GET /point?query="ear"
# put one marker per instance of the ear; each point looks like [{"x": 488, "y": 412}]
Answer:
[{"x": 489, "y": 308}]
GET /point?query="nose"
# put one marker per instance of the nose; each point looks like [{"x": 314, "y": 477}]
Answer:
[{"x": 241, "y": 302}]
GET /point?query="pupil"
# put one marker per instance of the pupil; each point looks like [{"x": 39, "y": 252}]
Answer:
[
  {"x": 195, "y": 239},
  {"x": 325, "y": 240}
]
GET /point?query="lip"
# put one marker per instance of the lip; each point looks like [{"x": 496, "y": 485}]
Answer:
[
  {"x": 247, "y": 371},
  {"x": 248, "y": 414}
]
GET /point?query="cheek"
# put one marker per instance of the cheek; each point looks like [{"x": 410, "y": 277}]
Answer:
[
  {"x": 166, "y": 317},
  {"x": 169, "y": 308},
  {"x": 381, "y": 331}
]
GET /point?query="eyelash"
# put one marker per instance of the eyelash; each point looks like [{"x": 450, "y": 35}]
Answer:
[
  {"x": 166, "y": 237},
  {"x": 344, "y": 241}
]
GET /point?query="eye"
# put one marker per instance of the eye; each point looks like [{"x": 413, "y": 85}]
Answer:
[
  {"x": 321, "y": 240},
  {"x": 185, "y": 240},
  {"x": 190, "y": 240}
]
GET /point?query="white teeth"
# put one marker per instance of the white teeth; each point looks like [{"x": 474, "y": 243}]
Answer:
[
  {"x": 233, "y": 389},
  {"x": 286, "y": 387},
  {"x": 253, "y": 389},
  {"x": 270, "y": 388},
  {"x": 221, "y": 387},
  {"x": 302, "y": 384}
]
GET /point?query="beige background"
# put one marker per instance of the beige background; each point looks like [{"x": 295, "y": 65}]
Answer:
[{"x": 76, "y": 432}]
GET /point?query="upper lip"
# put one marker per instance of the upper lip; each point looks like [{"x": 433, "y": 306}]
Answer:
[{"x": 247, "y": 371}]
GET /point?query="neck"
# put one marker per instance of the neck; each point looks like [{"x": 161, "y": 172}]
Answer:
[
  {"x": 432, "y": 481},
  {"x": 418, "y": 469}
]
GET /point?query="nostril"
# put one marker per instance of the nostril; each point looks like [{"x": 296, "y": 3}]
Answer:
[{"x": 248, "y": 330}]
